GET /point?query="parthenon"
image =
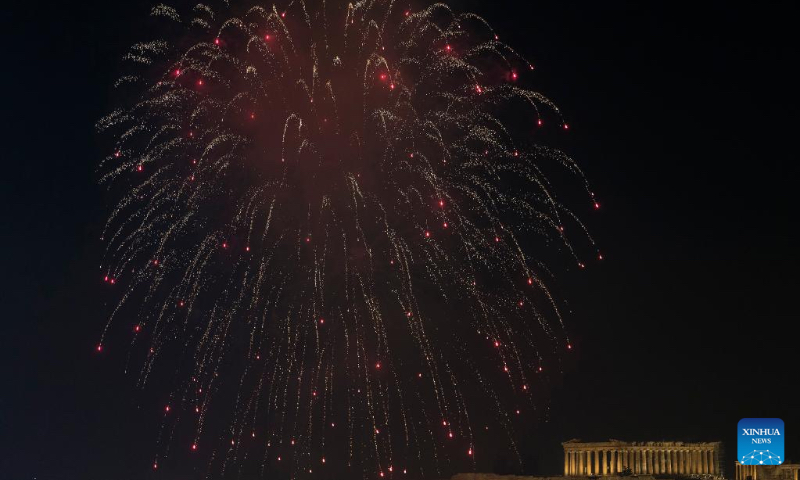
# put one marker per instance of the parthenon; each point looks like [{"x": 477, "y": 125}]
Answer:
[{"x": 648, "y": 458}]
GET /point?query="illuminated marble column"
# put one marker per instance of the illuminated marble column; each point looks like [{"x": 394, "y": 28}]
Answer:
[
  {"x": 588, "y": 462},
  {"x": 704, "y": 461},
  {"x": 667, "y": 460},
  {"x": 687, "y": 460},
  {"x": 612, "y": 460},
  {"x": 596, "y": 462},
  {"x": 620, "y": 454},
  {"x": 573, "y": 469},
  {"x": 604, "y": 461},
  {"x": 662, "y": 461}
]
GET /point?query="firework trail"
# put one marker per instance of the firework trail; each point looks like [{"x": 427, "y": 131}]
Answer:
[{"x": 326, "y": 224}]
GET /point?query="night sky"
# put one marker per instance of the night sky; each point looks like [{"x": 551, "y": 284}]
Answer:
[{"x": 683, "y": 117}]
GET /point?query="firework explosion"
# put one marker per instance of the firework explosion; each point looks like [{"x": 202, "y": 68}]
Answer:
[{"x": 326, "y": 227}]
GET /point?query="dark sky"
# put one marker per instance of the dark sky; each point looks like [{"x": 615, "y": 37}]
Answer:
[{"x": 683, "y": 116}]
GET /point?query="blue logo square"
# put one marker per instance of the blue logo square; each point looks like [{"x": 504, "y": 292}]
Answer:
[{"x": 760, "y": 441}]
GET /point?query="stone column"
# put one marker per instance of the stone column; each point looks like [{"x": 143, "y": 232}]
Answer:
[
  {"x": 667, "y": 460},
  {"x": 604, "y": 468},
  {"x": 704, "y": 461},
  {"x": 681, "y": 461},
  {"x": 620, "y": 454},
  {"x": 644, "y": 464},
  {"x": 640, "y": 462},
  {"x": 588, "y": 462},
  {"x": 566, "y": 463},
  {"x": 581, "y": 454},
  {"x": 687, "y": 457},
  {"x": 596, "y": 454},
  {"x": 612, "y": 462},
  {"x": 662, "y": 461}
]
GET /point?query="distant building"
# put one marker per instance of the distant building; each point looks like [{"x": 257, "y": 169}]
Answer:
[
  {"x": 786, "y": 471},
  {"x": 646, "y": 458}
]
